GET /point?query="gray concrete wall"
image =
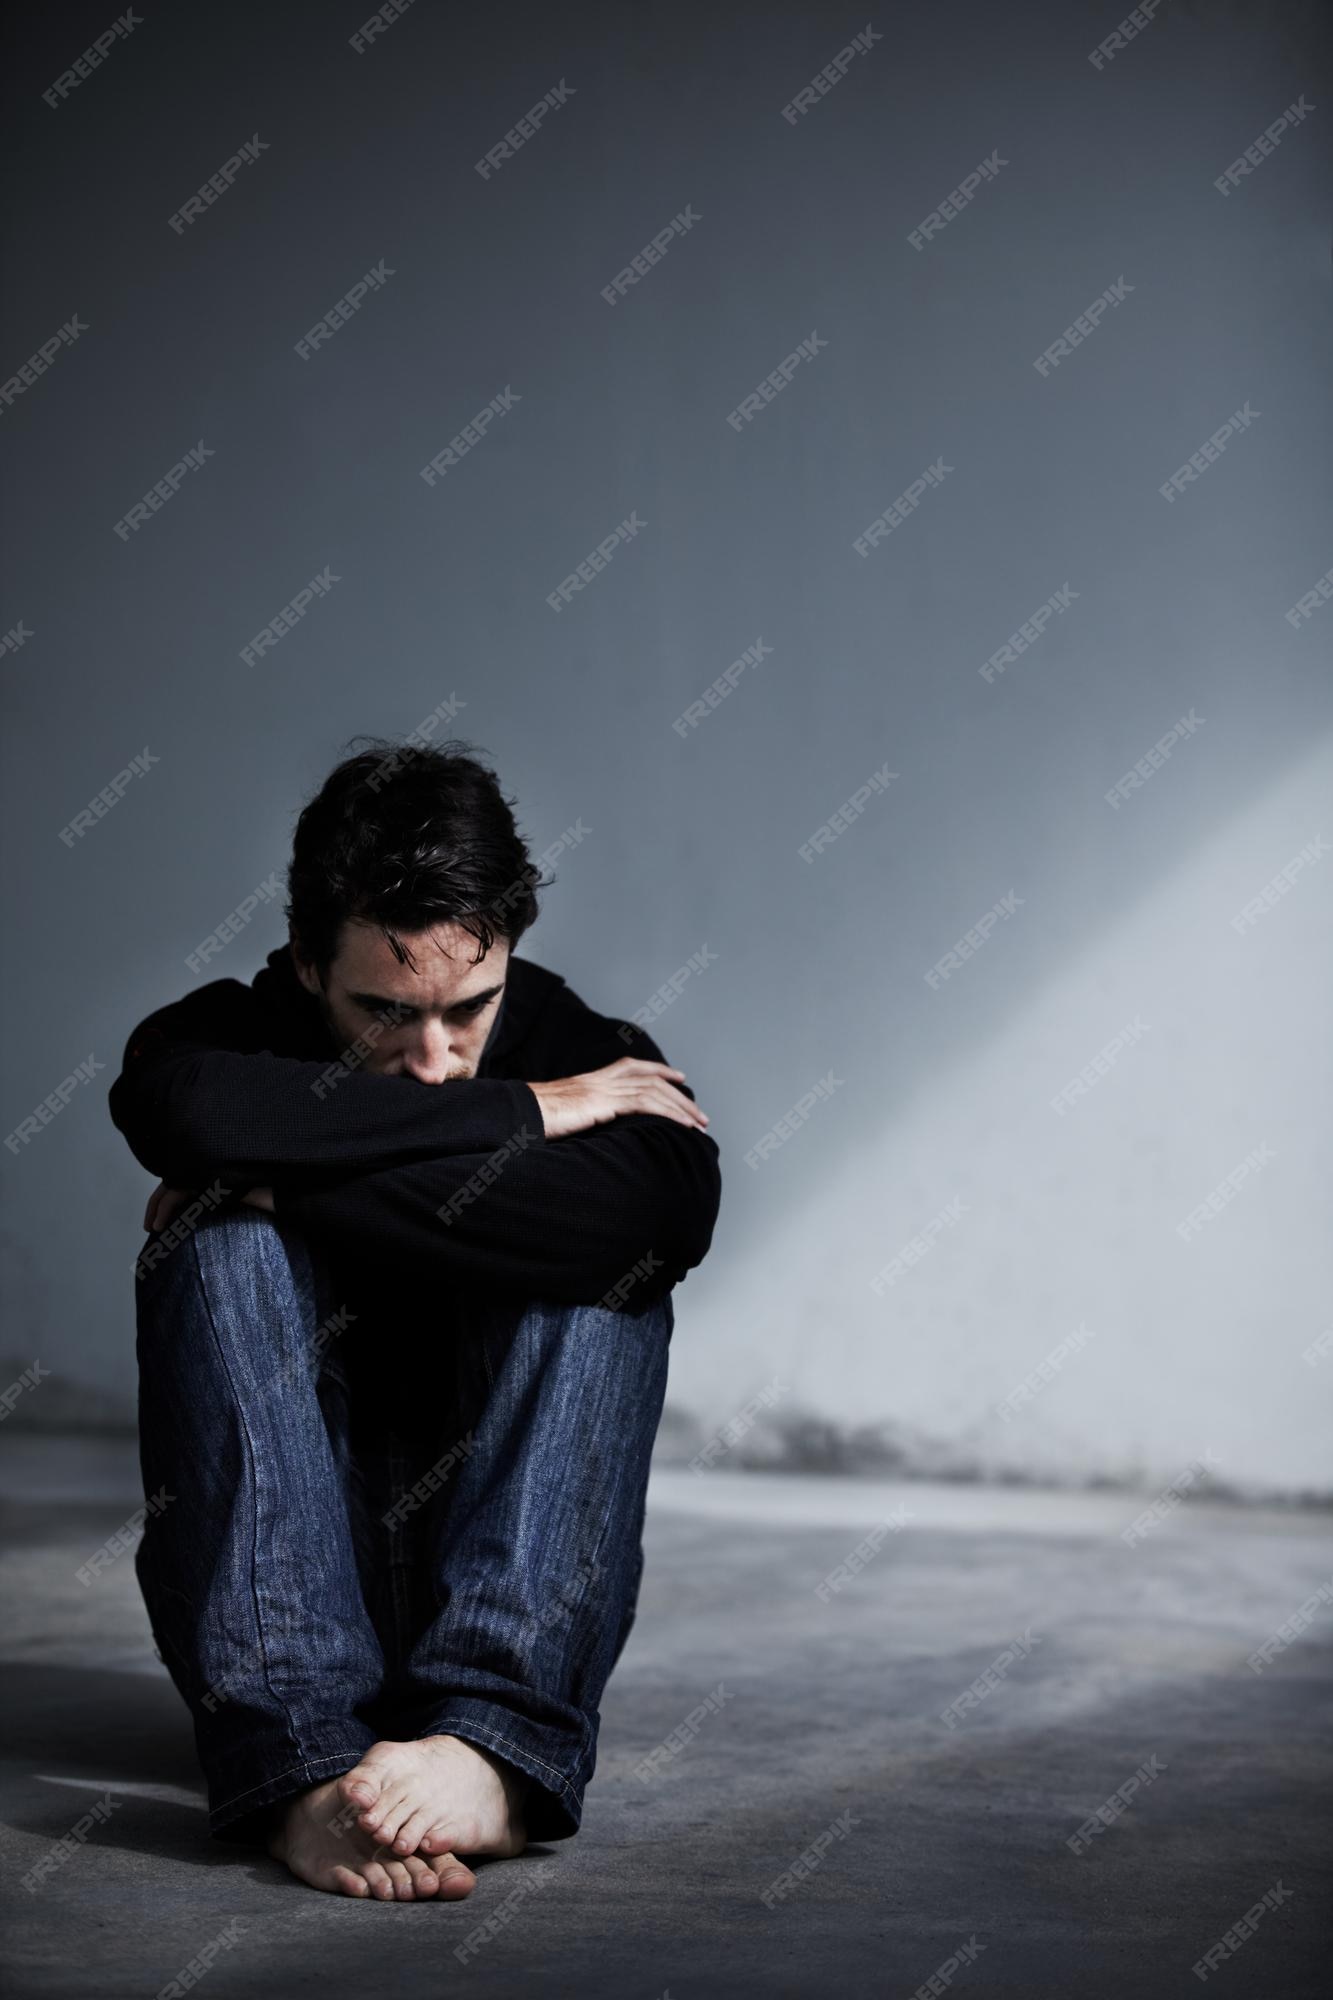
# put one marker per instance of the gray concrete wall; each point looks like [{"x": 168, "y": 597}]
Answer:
[{"x": 938, "y": 1125}]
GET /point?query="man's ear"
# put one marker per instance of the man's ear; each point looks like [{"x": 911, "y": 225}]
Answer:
[{"x": 306, "y": 971}]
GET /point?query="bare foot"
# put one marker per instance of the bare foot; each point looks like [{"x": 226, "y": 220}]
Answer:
[
  {"x": 438, "y": 1795},
  {"x": 317, "y": 1836}
]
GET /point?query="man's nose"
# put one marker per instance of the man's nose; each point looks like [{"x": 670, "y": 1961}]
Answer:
[{"x": 427, "y": 1057}]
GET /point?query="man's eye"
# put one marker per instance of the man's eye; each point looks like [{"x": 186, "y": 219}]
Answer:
[{"x": 394, "y": 1015}]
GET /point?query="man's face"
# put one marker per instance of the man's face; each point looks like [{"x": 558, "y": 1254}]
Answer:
[{"x": 430, "y": 1024}]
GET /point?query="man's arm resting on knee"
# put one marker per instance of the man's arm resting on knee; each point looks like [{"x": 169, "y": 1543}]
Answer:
[
  {"x": 567, "y": 1219},
  {"x": 200, "y": 1098}
]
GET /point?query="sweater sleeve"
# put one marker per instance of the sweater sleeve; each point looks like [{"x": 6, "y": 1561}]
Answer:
[
  {"x": 199, "y": 1098},
  {"x": 628, "y": 1205}
]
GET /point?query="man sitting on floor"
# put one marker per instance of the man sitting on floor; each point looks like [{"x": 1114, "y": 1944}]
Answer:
[{"x": 403, "y": 1355}]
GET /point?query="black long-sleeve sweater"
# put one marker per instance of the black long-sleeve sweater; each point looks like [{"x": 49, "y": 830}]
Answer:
[{"x": 243, "y": 1085}]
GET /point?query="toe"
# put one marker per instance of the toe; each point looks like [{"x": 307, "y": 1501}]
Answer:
[
  {"x": 386, "y": 1816},
  {"x": 378, "y": 1878},
  {"x": 408, "y": 1837},
  {"x": 357, "y": 1788},
  {"x": 455, "y": 1836},
  {"x": 349, "y": 1882},
  {"x": 455, "y": 1878},
  {"x": 404, "y": 1888},
  {"x": 424, "y": 1879}
]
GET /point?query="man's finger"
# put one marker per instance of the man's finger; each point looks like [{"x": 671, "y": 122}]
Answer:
[
  {"x": 669, "y": 1103},
  {"x": 163, "y": 1203},
  {"x": 679, "y": 1102},
  {"x": 154, "y": 1208}
]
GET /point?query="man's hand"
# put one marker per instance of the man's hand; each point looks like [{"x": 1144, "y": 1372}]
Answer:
[
  {"x": 575, "y": 1103},
  {"x": 164, "y": 1203}
]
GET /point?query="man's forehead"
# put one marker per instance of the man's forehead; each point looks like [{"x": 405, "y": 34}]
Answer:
[{"x": 442, "y": 960}]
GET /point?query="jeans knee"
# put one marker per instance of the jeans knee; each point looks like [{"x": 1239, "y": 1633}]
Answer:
[
  {"x": 234, "y": 1235},
  {"x": 646, "y": 1324},
  {"x": 629, "y": 1344},
  {"x": 615, "y": 1317},
  {"x": 242, "y": 1250}
]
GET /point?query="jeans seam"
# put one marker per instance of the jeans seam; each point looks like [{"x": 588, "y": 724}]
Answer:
[
  {"x": 305, "y": 1764},
  {"x": 516, "y": 1752},
  {"x": 239, "y": 1402}
]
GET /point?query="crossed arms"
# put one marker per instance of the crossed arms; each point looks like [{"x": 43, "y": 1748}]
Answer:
[{"x": 457, "y": 1177}]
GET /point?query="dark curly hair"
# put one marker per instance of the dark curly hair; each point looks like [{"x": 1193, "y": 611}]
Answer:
[{"x": 408, "y": 837}]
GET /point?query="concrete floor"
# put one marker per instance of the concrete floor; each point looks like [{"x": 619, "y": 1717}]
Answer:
[{"x": 1136, "y": 1653}]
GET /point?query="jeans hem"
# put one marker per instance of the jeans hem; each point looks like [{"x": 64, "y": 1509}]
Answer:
[
  {"x": 554, "y": 1808},
  {"x": 242, "y": 1815}
]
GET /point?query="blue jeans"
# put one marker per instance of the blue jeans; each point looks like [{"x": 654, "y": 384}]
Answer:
[{"x": 352, "y": 1542}]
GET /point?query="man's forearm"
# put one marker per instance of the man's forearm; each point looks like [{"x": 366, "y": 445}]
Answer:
[
  {"x": 191, "y": 1115},
  {"x": 628, "y": 1207}
]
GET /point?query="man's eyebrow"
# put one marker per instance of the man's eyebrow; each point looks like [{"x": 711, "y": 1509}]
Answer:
[{"x": 376, "y": 1000}]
